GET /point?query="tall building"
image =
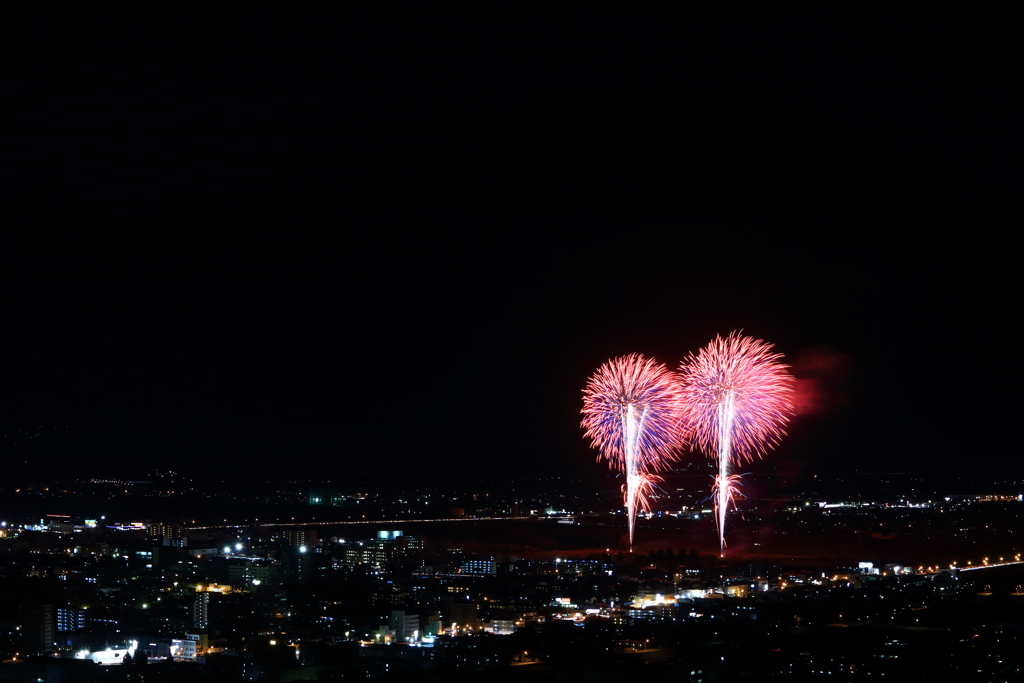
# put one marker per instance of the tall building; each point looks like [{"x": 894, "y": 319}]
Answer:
[
  {"x": 201, "y": 610},
  {"x": 432, "y": 625},
  {"x": 168, "y": 534},
  {"x": 306, "y": 564},
  {"x": 271, "y": 609},
  {"x": 378, "y": 552},
  {"x": 462, "y": 615},
  {"x": 246, "y": 573},
  {"x": 479, "y": 565},
  {"x": 70, "y": 619},
  {"x": 298, "y": 537},
  {"x": 406, "y": 627},
  {"x": 39, "y": 626}
]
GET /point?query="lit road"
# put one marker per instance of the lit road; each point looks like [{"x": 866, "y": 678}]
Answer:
[
  {"x": 566, "y": 519},
  {"x": 989, "y": 566}
]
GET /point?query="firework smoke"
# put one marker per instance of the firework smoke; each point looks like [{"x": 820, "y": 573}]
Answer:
[
  {"x": 737, "y": 400},
  {"x": 631, "y": 413}
]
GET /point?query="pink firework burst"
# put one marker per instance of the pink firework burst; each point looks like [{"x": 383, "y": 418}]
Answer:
[
  {"x": 737, "y": 400},
  {"x": 736, "y": 394},
  {"x": 631, "y": 413}
]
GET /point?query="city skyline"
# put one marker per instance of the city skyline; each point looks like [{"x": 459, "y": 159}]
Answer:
[{"x": 300, "y": 302}]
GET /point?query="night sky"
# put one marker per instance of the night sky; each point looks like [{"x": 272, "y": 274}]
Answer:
[{"x": 311, "y": 242}]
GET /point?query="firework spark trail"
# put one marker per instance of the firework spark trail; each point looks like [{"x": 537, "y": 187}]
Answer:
[
  {"x": 724, "y": 484},
  {"x": 724, "y": 492},
  {"x": 631, "y": 414},
  {"x": 737, "y": 400},
  {"x": 632, "y": 466}
]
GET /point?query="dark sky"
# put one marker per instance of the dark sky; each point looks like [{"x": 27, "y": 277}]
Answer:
[{"x": 313, "y": 241}]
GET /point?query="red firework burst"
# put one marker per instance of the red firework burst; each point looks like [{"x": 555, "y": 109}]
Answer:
[
  {"x": 642, "y": 390},
  {"x": 631, "y": 413},
  {"x": 737, "y": 397}
]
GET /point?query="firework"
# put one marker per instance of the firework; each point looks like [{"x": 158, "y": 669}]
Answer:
[
  {"x": 737, "y": 401},
  {"x": 724, "y": 492},
  {"x": 631, "y": 412}
]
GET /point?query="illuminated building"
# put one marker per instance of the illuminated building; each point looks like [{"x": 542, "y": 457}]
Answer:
[
  {"x": 144, "y": 555},
  {"x": 168, "y": 534},
  {"x": 298, "y": 537},
  {"x": 201, "y": 609},
  {"x": 657, "y": 612},
  {"x": 381, "y": 550},
  {"x": 462, "y": 615},
  {"x": 243, "y": 573},
  {"x": 432, "y": 626},
  {"x": 406, "y": 627},
  {"x": 183, "y": 649},
  {"x": 189, "y": 647},
  {"x": 69, "y": 619},
  {"x": 109, "y": 656},
  {"x": 479, "y": 565},
  {"x": 501, "y": 627}
]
